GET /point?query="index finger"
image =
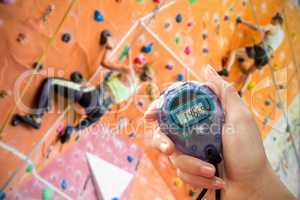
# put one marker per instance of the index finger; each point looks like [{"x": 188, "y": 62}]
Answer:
[{"x": 151, "y": 113}]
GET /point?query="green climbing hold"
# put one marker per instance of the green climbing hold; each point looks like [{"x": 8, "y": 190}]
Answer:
[
  {"x": 140, "y": 1},
  {"x": 124, "y": 52},
  {"x": 77, "y": 137},
  {"x": 29, "y": 168},
  {"x": 192, "y": 193},
  {"x": 177, "y": 40},
  {"x": 47, "y": 194},
  {"x": 192, "y": 1}
]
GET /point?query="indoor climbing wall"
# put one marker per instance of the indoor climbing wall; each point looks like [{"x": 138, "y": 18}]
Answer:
[{"x": 57, "y": 37}]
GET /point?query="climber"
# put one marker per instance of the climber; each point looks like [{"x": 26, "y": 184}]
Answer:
[
  {"x": 120, "y": 84},
  {"x": 260, "y": 53}
]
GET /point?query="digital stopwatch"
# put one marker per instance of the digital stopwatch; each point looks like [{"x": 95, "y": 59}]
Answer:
[{"x": 191, "y": 115}]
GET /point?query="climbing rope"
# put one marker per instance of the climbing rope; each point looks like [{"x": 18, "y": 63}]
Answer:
[
  {"x": 284, "y": 109},
  {"x": 37, "y": 67},
  {"x": 61, "y": 116}
]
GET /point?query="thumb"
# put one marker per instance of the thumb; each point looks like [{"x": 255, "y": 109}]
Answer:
[{"x": 162, "y": 142}]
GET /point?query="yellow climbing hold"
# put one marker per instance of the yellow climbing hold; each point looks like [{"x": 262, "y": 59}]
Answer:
[
  {"x": 293, "y": 35},
  {"x": 276, "y": 67},
  {"x": 178, "y": 182},
  {"x": 251, "y": 85}
]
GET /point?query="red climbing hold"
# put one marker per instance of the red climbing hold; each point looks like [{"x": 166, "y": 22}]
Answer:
[
  {"x": 139, "y": 60},
  {"x": 156, "y": 1},
  {"x": 188, "y": 50}
]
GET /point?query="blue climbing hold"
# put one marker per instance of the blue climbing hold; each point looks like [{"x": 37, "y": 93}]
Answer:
[
  {"x": 179, "y": 18},
  {"x": 98, "y": 16},
  {"x": 64, "y": 184},
  {"x": 115, "y": 198},
  {"x": 129, "y": 158},
  {"x": 147, "y": 48},
  {"x": 66, "y": 37},
  {"x": 2, "y": 195},
  {"x": 238, "y": 20},
  {"x": 180, "y": 77}
]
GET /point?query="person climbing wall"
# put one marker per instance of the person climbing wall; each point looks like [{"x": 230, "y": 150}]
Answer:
[
  {"x": 261, "y": 53},
  {"x": 119, "y": 85}
]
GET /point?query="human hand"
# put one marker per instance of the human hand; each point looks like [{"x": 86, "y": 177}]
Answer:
[{"x": 245, "y": 169}]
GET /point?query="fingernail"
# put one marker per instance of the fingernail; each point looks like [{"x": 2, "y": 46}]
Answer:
[
  {"x": 163, "y": 147},
  {"x": 219, "y": 183},
  {"x": 207, "y": 170}
]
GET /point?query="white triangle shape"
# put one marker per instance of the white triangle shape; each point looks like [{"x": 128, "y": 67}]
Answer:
[{"x": 110, "y": 181}]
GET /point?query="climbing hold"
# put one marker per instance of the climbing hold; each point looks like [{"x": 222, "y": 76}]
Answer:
[
  {"x": 2, "y": 195},
  {"x": 76, "y": 77},
  {"x": 179, "y": 18},
  {"x": 180, "y": 77},
  {"x": 226, "y": 18},
  {"x": 205, "y": 50},
  {"x": 77, "y": 137},
  {"x": 190, "y": 24},
  {"x": 279, "y": 104},
  {"x": 170, "y": 66},
  {"x": 265, "y": 120},
  {"x": 192, "y": 1},
  {"x": 132, "y": 134},
  {"x": 37, "y": 66},
  {"x": 178, "y": 182},
  {"x": 129, "y": 158},
  {"x": 66, "y": 37},
  {"x": 147, "y": 48},
  {"x": 238, "y": 20},
  {"x": 276, "y": 67},
  {"x": 156, "y": 1},
  {"x": 244, "y": 2},
  {"x": 3, "y": 94},
  {"x": 268, "y": 102},
  {"x": 124, "y": 52},
  {"x": 47, "y": 194},
  {"x": 141, "y": 103},
  {"x": 115, "y": 198},
  {"x": 251, "y": 86},
  {"x": 29, "y": 168},
  {"x": 281, "y": 87},
  {"x": 192, "y": 193},
  {"x": 187, "y": 50},
  {"x": 177, "y": 39},
  {"x": 64, "y": 184},
  {"x": 98, "y": 16},
  {"x": 140, "y": 1},
  {"x": 139, "y": 60},
  {"x": 7, "y": 2},
  {"x": 204, "y": 35},
  {"x": 167, "y": 25}
]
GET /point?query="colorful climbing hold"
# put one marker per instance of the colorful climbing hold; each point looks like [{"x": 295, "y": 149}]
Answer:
[
  {"x": 167, "y": 25},
  {"x": 179, "y": 18},
  {"x": 268, "y": 102},
  {"x": 147, "y": 48},
  {"x": 115, "y": 198},
  {"x": 288, "y": 128},
  {"x": 139, "y": 60},
  {"x": 98, "y": 16},
  {"x": 226, "y": 18},
  {"x": 177, "y": 39},
  {"x": 204, "y": 35},
  {"x": 124, "y": 52},
  {"x": 238, "y": 20},
  {"x": 180, "y": 77},
  {"x": 265, "y": 120},
  {"x": 192, "y": 193},
  {"x": 47, "y": 194},
  {"x": 251, "y": 86},
  {"x": 178, "y": 182},
  {"x": 192, "y": 1},
  {"x": 205, "y": 50},
  {"x": 29, "y": 168},
  {"x": 156, "y": 1},
  {"x": 7, "y": 1},
  {"x": 188, "y": 50},
  {"x": 129, "y": 158},
  {"x": 170, "y": 66},
  {"x": 190, "y": 24},
  {"x": 279, "y": 104},
  {"x": 2, "y": 195},
  {"x": 66, "y": 37},
  {"x": 64, "y": 184}
]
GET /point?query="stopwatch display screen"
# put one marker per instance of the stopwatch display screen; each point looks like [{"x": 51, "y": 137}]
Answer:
[{"x": 186, "y": 117}]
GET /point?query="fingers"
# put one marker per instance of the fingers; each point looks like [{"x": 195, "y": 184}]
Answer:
[
  {"x": 194, "y": 166},
  {"x": 151, "y": 113},
  {"x": 201, "y": 182},
  {"x": 162, "y": 142}
]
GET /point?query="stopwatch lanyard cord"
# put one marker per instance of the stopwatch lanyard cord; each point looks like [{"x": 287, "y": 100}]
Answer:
[{"x": 215, "y": 159}]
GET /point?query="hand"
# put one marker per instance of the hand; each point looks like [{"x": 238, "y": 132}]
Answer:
[
  {"x": 124, "y": 71},
  {"x": 245, "y": 169}
]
